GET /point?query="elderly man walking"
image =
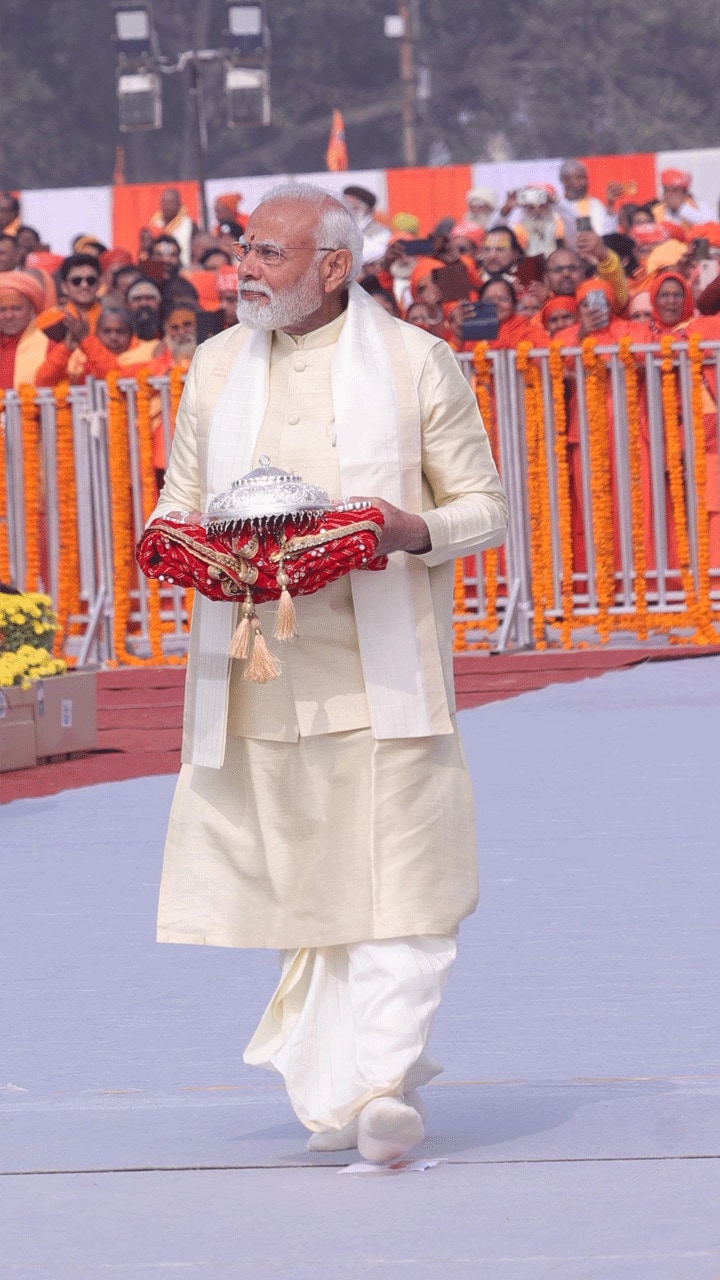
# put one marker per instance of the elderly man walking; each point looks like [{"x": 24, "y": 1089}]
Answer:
[{"x": 329, "y": 814}]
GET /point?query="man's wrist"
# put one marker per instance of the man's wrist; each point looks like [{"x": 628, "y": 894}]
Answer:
[{"x": 420, "y": 539}]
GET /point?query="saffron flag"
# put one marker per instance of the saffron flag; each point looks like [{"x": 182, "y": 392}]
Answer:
[{"x": 336, "y": 156}]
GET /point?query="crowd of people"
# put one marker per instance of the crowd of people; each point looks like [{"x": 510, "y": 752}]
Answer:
[{"x": 552, "y": 265}]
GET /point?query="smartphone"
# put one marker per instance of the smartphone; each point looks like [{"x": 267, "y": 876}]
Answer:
[
  {"x": 531, "y": 269},
  {"x": 453, "y": 281},
  {"x": 482, "y": 325},
  {"x": 597, "y": 301},
  {"x": 708, "y": 271},
  {"x": 583, "y": 223},
  {"x": 702, "y": 248},
  {"x": 418, "y": 248}
]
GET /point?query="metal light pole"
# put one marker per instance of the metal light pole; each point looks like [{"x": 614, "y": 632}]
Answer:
[{"x": 402, "y": 27}]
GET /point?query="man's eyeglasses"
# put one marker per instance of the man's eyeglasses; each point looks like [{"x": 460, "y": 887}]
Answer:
[
  {"x": 271, "y": 255},
  {"x": 83, "y": 279}
]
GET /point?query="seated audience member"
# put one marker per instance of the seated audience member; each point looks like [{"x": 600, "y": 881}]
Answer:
[
  {"x": 229, "y": 221},
  {"x": 9, "y": 253},
  {"x": 499, "y": 255},
  {"x": 384, "y": 297},
  {"x": 88, "y": 244},
  {"x": 173, "y": 222},
  {"x": 23, "y": 347},
  {"x": 28, "y": 241},
  {"x": 227, "y": 287},
  {"x": 480, "y": 205},
  {"x": 110, "y": 262},
  {"x": 419, "y": 314},
  {"x": 466, "y": 238},
  {"x": 424, "y": 289},
  {"x": 9, "y": 213},
  {"x": 673, "y": 255},
  {"x": 396, "y": 269},
  {"x": 677, "y": 203},
  {"x": 361, "y": 204},
  {"x": 532, "y": 213},
  {"x": 214, "y": 259},
  {"x": 707, "y": 329},
  {"x": 671, "y": 302},
  {"x": 167, "y": 254},
  {"x": 566, "y": 268},
  {"x": 202, "y": 241},
  {"x": 512, "y": 327},
  {"x": 143, "y": 299},
  {"x": 80, "y": 284},
  {"x": 576, "y": 202},
  {"x": 83, "y": 355},
  {"x": 557, "y": 314},
  {"x": 640, "y": 308},
  {"x": 123, "y": 278}
]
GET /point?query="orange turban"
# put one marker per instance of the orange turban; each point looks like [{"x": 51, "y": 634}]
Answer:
[
  {"x": 43, "y": 260},
  {"x": 469, "y": 231},
  {"x": 709, "y": 231},
  {"x": 230, "y": 203},
  {"x": 27, "y": 286},
  {"x": 553, "y": 305},
  {"x": 678, "y": 178},
  {"x": 590, "y": 286},
  {"x": 423, "y": 267},
  {"x": 655, "y": 285},
  {"x": 116, "y": 258},
  {"x": 665, "y": 255}
]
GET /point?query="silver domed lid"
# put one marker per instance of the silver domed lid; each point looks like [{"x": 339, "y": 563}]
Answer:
[{"x": 266, "y": 493}]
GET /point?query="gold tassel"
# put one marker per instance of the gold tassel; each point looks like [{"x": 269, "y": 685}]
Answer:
[
  {"x": 240, "y": 643},
  {"x": 285, "y": 620},
  {"x": 262, "y": 666}
]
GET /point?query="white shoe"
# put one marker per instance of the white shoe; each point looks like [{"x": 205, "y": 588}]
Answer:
[
  {"x": 344, "y": 1139},
  {"x": 388, "y": 1128}
]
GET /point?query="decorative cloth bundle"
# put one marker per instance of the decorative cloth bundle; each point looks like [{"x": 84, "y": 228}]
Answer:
[{"x": 246, "y": 549}]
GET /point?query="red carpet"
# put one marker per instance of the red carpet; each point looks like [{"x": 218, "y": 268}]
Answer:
[{"x": 140, "y": 710}]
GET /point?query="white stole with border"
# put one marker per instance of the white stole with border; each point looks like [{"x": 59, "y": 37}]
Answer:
[{"x": 377, "y": 418}]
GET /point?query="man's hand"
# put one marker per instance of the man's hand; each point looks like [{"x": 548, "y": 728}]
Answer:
[
  {"x": 592, "y": 319},
  {"x": 592, "y": 247},
  {"x": 76, "y": 330},
  {"x": 614, "y": 191},
  {"x": 402, "y": 530}
]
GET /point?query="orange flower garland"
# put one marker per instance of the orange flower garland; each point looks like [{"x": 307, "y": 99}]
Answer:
[
  {"x": 32, "y": 482},
  {"x": 636, "y": 497},
  {"x": 491, "y": 557},
  {"x": 706, "y": 631},
  {"x": 68, "y": 560},
  {"x": 147, "y": 480},
  {"x": 673, "y": 449},
  {"x": 122, "y": 532},
  {"x": 4, "y": 533},
  {"x": 600, "y": 484}
]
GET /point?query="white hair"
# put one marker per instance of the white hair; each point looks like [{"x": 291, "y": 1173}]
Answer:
[{"x": 336, "y": 226}]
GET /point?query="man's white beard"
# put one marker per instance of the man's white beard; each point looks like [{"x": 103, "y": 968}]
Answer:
[
  {"x": 282, "y": 309},
  {"x": 182, "y": 348}
]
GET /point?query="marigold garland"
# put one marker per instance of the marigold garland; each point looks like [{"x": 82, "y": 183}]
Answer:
[
  {"x": 537, "y": 492},
  {"x": 673, "y": 447},
  {"x": 32, "y": 483},
  {"x": 68, "y": 559},
  {"x": 706, "y": 633},
  {"x": 632, "y": 390},
  {"x": 600, "y": 485},
  {"x": 149, "y": 496},
  {"x": 557, "y": 382},
  {"x": 4, "y": 514}
]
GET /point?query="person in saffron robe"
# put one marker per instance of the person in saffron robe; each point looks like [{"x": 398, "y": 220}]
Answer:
[
  {"x": 671, "y": 302},
  {"x": 707, "y": 329},
  {"x": 23, "y": 346}
]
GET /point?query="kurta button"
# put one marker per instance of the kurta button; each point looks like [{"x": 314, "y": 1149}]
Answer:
[
  {"x": 299, "y": 365},
  {"x": 293, "y": 419}
]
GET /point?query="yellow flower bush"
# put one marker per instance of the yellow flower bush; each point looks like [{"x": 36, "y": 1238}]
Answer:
[{"x": 27, "y": 623}]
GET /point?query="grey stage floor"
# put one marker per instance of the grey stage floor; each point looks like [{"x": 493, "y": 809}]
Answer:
[{"x": 577, "y": 1123}]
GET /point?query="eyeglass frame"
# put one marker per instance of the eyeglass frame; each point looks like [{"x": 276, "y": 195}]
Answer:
[
  {"x": 246, "y": 248},
  {"x": 79, "y": 280}
]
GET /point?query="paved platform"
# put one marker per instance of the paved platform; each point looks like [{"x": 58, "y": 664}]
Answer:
[{"x": 577, "y": 1124}]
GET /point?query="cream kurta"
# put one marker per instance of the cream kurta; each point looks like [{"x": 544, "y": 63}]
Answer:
[{"x": 313, "y": 833}]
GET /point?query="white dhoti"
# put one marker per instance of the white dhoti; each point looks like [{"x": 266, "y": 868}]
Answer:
[{"x": 351, "y": 1023}]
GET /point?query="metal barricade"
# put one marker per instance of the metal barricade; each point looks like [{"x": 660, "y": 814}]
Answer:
[{"x": 495, "y": 610}]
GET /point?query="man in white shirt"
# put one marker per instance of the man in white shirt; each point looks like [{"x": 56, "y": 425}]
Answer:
[{"x": 576, "y": 203}]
